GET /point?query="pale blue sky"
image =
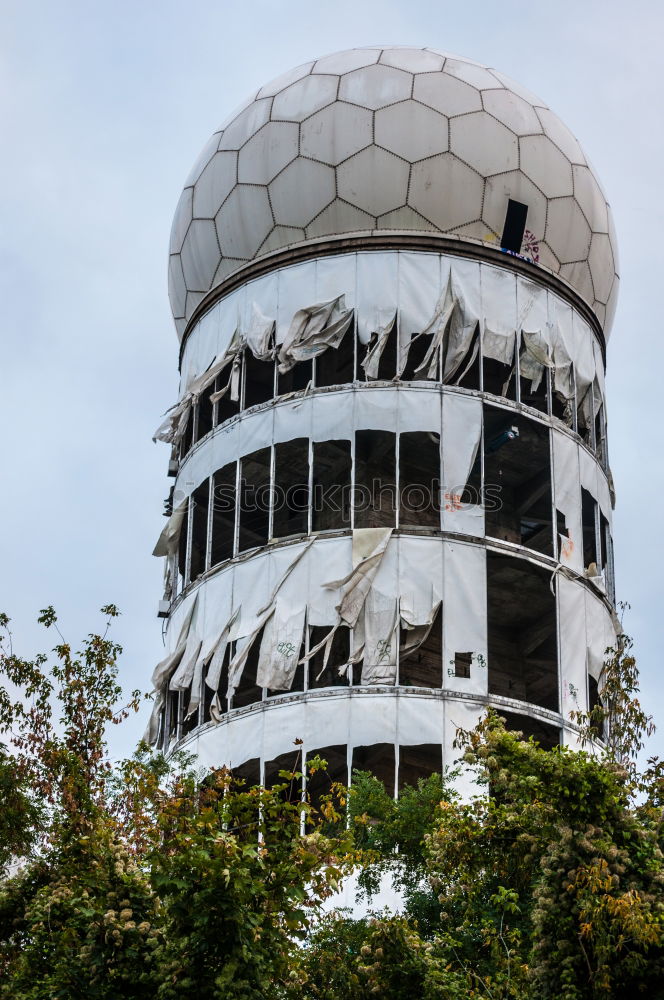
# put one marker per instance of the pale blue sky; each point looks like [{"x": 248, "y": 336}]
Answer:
[{"x": 103, "y": 108}]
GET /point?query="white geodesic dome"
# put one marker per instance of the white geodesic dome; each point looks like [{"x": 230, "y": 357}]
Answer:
[{"x": 400, "y": 139}]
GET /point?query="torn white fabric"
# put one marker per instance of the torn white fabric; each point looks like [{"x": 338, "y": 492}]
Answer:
[
  {"x": 233, "y": 384},
  {"x": 242, "y": 650},
  {"x": 600, "y": 634},
  {"x": 415, "y": 623},
  {"x": 462, "y": 433},
  {"x": 369, "y": 545},
  {"x": 375, "y": 348},
  {"x": 563, "y": 372},
  {"x": 259, "y": 335},
  {"x": 163, "y": 670},
  {"x": 461, "y": 328},
  {"x": 182, "y": 677},
  {"x": 379, "y": 664},
  {"x": 280, "y": 648},
  {"x": 218, "y": 652},
  {"x": 169, "y": 538},
  {"x": 313, "y": 330},
  {"x": 535, "y": 355},
  {"x": 498, "y": 345},
  {"x": 377, "y": 288},
  {"x": 152, "y": 729},
  {"x": 435, "y": 329}
]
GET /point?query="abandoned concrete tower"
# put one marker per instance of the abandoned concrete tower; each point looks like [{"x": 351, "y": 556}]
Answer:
[{"x": 393, "y": 273}]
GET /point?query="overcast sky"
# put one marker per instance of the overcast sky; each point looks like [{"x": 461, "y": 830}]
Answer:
[{"x": 104, "y": 108}]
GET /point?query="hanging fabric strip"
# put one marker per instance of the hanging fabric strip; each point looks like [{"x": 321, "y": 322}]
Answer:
[
  {"x": 280, "y": 648},
  {"x": 371, "y": 360},
  {"x": 260, "y": 335},
  {"x": 168, "y": 540},
  {"x": 535, "y": 356},
  {"x": 435, "y": 329},
  {"x": 182, "y": 677},
  {"x": 313, "y": 330},
  {"x": 163, "y": 670},
  {"x": 379, "y": 664},
  {"x": 356, "y": 586}
]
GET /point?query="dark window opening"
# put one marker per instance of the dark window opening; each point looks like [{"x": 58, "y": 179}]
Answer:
[
  {"x": 375, "y": 490},
  {"x": 292, "y": 763},
  {"x": 462, "y": 664},
  {"x": 225, "y": 407},
  {"x": 336, "y": 366},
  {"x": 522, "y": 644},
  {"x": 254, "y": 499},
  {"x": 189, "y": 722},
  {"x": 498, "y": 378},
  {"x": 388, "y": 362},
  {"x": 606, "y": 547},
  {"x": 320, "y": 781},
  {"x": 223, "y": 514},
  {"x": 419, "y": 762},
  {"x": 595, "y": 708},
  {"x": 297, "y": 379},
  {"x": 379, "y": 761},
  {"x": 291, "y": 492},
  {"x": 173, "y": 715},
  {"x": 182, "y": 549},
  {"x": 534, "y": 392},
  {"x": 421, "y": 655},
  {"x": 517, "y": 470},
  {"x": 249, "y": 773},
  {"x": 515, "y": 226},
  {"x": 600, "y": 437},
  {"x": 547, "y": 736},
  {"x": 562, "y": 534},
  {"x": 204, "y": 424},
  {"x": 222, "y": 688},
  {"x": 160, "y": 728},
  {"x": 247, "y": 691},
  {"x": 258, "y": 380},
  {"x": 417, "y": 351},
  {"x": 187, "y": 438},
  {"x": 199, "y": 529},
  {"x": 331, "y": 485},
  {"x": 419, "y": 480},
  {"x": 589, "y": 523},
  {"x": 321, "y": 676}
]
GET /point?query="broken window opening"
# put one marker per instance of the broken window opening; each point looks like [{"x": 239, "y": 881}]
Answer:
[
  {"x": 173, "y": 716},
  {"x": 319, "y": 781},
  {"x": 462, "y": 664},
  {"x": 336, "y": 366},
  {"x": 291, "y": 488},
  {"x": 389, "y": 359},
  {"x": 522, "y": 632},
  {"x": 254, "y": 512},
  {"x": 225, "y": 408},
  {"x": 249, "y": 773},
  {"x": 379, "y": 760},
  {"x": 291, "y": 762},
  {"x": 517, "y": 466},
  {"x": 328, "y": 676},
  {"x": 537, "y": 396},
  {"x": 600, "y": 437},
  {"x": 189, "y": 722},
  {"x": 606, "y": 546},
  {"x": 563, "y": 540},
  {"x": 187, "y": 439},
  {"x": 221, "y": 692},
  {"x": 331, "y": 485},
  {"x": 417, "y": 763},
  {"x": 258, "y": 380},
  {"x": 205, "y": 413},
  {"x": 597, "y": 726},
  {"x": 200, "y": 501},
  {"x": 247, "y": 691},
  {"x": 182, "y": 550},
  {"x": 417, "y": 351},
  {"x": 375, "y": 490},
  {"x": 514, "y": 226},
  {"x": 498, "y": 378},
  {"x": 296, "y": 379},
  {"x": 547, "y": 736},
  {"x": 419, "y": 479},
  {"x": 223, "y": 514},
  {"x": 159, "y": 742},
  {"x": 589, "y": 510},
  {"x": 422, "y": 666}
]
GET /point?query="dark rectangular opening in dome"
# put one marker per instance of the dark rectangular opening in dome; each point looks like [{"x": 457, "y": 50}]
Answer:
[
  {"x": 375, "y": 491},
  {"x": 291, "y": 488},
  {"x": 522, "y": 631},
  {"x": 331, "y": 485},
  {"x": 419, "y": 480},
  {"x": 223, "y": 514},
  {"x": 515, "y": 226}
]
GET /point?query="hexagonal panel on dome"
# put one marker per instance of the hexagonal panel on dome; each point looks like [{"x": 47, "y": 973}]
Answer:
[
  {"x": 375, "y": 86},
  {"x": 411, "y": 130},
  {"x": 337, "y": 132},
  {"x": 395, "y": 138}
]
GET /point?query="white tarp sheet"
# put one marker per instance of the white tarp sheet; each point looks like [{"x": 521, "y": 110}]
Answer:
[
  {"x": 567, "y": 497},
  {"x": 461, "y": 436},
  {"x": 280, "y": 647},
  {"x": 313, "y": 330}
]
